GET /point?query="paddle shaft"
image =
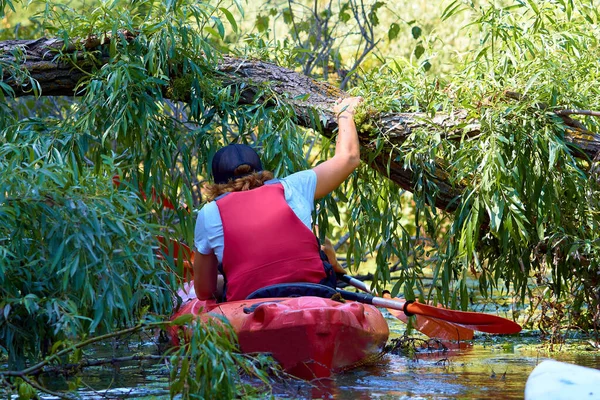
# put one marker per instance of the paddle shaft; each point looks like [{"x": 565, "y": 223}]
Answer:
[
  {"x": 429, "y": 326},
  {"x": 376, "y": 301},
  {"x": 476, "y": 321},
  {"x": 354, "y": 282}
]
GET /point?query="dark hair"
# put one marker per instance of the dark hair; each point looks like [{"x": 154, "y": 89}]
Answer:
[{"x": 248, "y": 180}]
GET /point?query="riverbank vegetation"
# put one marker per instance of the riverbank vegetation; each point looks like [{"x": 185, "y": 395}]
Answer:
[{"x": 479, "y": 135}]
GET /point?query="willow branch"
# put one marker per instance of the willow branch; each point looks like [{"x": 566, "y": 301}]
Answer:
[
  {"x": 54, "y": 76},
  {"x": 579, "y": 112},
  {"x": 116, "y": 360}
]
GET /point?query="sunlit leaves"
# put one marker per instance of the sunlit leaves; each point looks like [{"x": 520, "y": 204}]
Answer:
[
  {"x": 4, "y": 4},
  {"x": 262, "y": 22},
  {"x": 416, "y": 32},
  {"x": 419, "y": 50},
  {"x": 393, "y": 31}
]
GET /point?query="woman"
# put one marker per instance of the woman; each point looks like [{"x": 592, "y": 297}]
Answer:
[{"x": 259, "y": 228}]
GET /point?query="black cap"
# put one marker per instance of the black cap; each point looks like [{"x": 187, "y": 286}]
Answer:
[{"x": 228, "y": 158}]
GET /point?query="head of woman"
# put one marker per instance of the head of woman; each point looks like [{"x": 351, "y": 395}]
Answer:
[{"x": 236, "y": 167}]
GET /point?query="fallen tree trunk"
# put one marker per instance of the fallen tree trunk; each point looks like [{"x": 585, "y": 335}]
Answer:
[{"x": 55, "y": 78}]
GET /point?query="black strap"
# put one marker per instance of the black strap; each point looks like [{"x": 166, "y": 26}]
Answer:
[{"x": 292, "y": 290}]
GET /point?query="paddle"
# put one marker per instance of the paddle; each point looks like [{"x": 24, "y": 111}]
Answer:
[
  {"x": 431, "y": 327},
  {"x": 470, "y": 320}
]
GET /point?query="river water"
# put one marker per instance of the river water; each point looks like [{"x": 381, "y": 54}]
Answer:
[{"x": 489, "y": 367}]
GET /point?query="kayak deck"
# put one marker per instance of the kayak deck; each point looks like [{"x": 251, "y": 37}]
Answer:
[{"x": 311, "y": 337}]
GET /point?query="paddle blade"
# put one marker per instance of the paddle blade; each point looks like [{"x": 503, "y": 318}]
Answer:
[
  {"x": 470, "y": 320},
  {"x": 434, "y": 328},
  {"x": 177, "y": 250},
  {"x": 439, "y": 329}
]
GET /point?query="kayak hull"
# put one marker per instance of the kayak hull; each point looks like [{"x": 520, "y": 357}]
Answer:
[
  {"x": 311, "y": 337},
  {"x": 555, "y": 380}
]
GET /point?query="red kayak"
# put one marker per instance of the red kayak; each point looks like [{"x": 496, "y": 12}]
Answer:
[{"x": 311, "y": 337}]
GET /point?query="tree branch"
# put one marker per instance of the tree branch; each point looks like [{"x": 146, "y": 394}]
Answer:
[
  {"x": 579, "y": 112},
  {"x": 54, "y": 77}
]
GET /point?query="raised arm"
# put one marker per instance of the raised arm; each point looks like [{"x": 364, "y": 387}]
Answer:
[{"x": 331, "y": 173}]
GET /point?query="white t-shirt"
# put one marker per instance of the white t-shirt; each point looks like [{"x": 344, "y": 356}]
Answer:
[{"x": 299, "y": 190}]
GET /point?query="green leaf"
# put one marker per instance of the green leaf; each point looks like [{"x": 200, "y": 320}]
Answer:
[
  {"x": 182, "y": 319},
  {"x": 230, "y": 18},
  {"x": 419, "y": 50},
  {"x": 453, "y": 8},
  {"x": 220, "y": 27},
  {"x": 416, "y": 32},
  {"x": 393, "y": 31},
  {"x": 288, "y": 17},
  {"x": 57, "y": 256},
  {"x": 262, "y": 23},
  {"x": 495, "y": 212}
]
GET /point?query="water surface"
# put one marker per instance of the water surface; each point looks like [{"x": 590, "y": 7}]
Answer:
[{"x": 489, "y": 367}]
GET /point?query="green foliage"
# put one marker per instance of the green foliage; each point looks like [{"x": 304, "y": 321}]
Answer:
[
  {"x": 62, "y": 218},
  {"x": 73, "y": 259},
  {"x": 6, "y": 4},
  {"x": 527, "y": 208},
  {"x": 209, "y": 365},
  {"x": 314, "y": 33},
  {"x": 79, "y": 253},
  {"x": 525, "y": 180}
]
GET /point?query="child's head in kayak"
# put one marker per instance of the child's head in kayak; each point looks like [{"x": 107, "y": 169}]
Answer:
[{"x": 236, "y": 167}]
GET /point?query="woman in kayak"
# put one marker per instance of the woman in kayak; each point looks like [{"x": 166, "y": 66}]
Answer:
[{"x": 257, "y": 229}]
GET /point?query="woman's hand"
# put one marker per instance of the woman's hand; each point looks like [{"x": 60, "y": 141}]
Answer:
[
  {"x": 346, "y": 105},
  {"x": 331, "y": 173},
  {"x": 327, "y": 247}
]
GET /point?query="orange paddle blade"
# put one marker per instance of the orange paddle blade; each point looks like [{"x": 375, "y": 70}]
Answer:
[
  {"x": 178, "y": 250},
  {"x": 470, "y": 320},
  {"x": 432, "y": 327}
]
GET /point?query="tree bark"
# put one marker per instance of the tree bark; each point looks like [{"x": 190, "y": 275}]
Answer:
[{"x": 55, "y": 78}]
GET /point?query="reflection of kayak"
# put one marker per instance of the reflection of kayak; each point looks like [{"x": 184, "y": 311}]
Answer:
[
  {"x": 554, "y": 380},
  {"x": 311, "y": 337}
]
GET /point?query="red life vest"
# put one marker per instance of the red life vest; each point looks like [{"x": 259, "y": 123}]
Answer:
[{"x": 265, "y": 242}]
